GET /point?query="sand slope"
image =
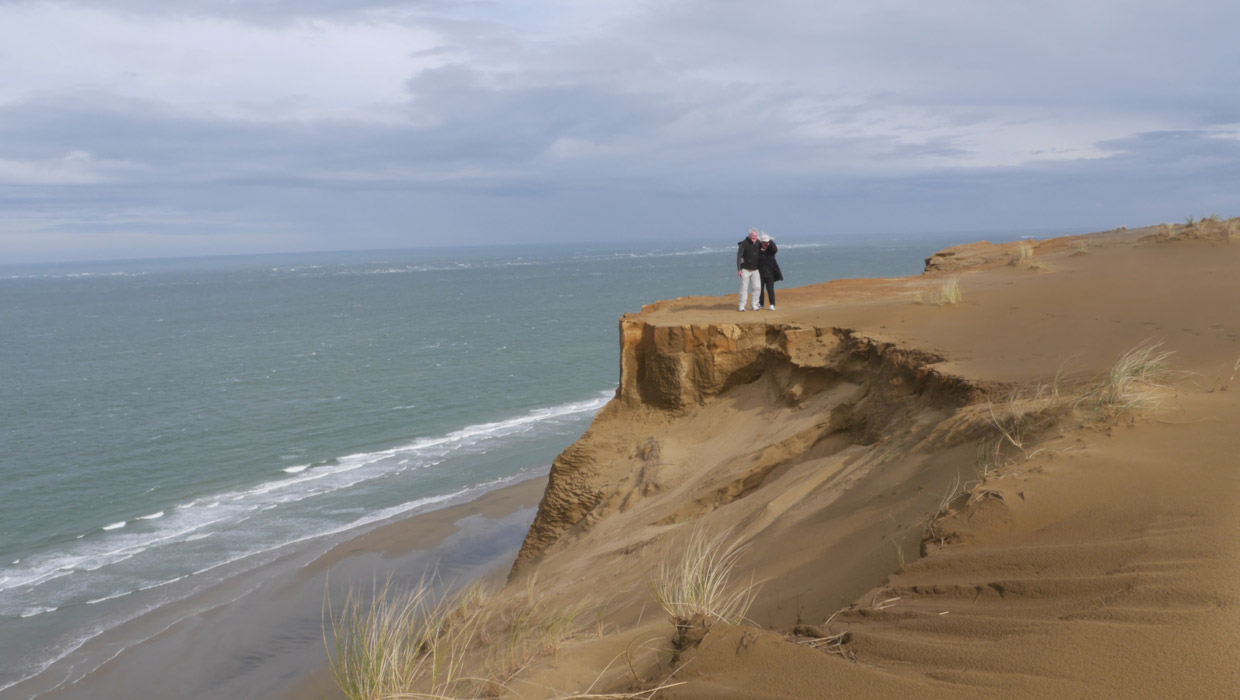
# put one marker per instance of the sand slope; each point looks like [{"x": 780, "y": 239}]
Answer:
[
  {"x": 1107, "y": 571},
  {"x": 1098, "y": 559}
]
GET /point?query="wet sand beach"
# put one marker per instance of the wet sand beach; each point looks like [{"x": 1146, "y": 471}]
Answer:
[{"x": 260, "y": 635}]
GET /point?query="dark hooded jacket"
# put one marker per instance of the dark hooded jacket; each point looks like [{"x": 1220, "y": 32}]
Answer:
[{"x": 768, "y": 268}]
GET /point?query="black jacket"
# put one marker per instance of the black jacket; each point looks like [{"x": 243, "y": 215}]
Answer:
[
  {"x": 768, "y": 268},
  {"x": 747, "y": 255}
]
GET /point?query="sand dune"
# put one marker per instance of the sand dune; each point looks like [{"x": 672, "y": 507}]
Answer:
[
  {"x": 937, "y": 498},
  {"x": 1012, "y": 476}
]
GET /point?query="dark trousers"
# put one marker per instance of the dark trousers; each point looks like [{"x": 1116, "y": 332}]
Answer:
[{"x": 768, "y": 291}]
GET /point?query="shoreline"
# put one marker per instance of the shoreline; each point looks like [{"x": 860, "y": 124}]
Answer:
[{"x": 258, "y": 635}]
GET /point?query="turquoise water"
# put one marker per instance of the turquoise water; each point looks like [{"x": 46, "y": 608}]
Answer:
[{"x": 167, "y": 424}]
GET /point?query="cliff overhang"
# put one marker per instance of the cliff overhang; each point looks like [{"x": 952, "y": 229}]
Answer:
[{"x": 843, "y": 385}]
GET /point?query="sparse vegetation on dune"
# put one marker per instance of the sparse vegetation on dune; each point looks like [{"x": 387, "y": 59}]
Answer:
[
  {"x": 417, "y": 643},
  {"x": 695, "y": 588},
  {"x": 1023, "y": 255},
  {"x": 404, "y": 642},
  {"x": 1212, "y": 227},
  {"x": 1133, "y": 381},
  {"x": 1018, "y": 423},
  {"x": 946, "y": 293},
  {"x": 414, "y": 643}
]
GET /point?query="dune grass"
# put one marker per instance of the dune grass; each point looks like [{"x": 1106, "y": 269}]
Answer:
[
  {"x": 1018, "y": 421},
  {"x": 946, "y": 293},
  {"x": 414, "y": 642},
  {"x": 1022, "y": 416},
  {"x": 1212, "y": 227},
  {"x": 1133, "y": 381},
  {"x": 694, "y": 586},
  {"x": 404, "y": 642},
  {"x": 1023, "y": 256}
]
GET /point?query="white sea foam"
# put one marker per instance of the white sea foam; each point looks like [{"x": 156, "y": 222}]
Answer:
[
  {"x": 295, "y": 470},
  {"x": 224, "y": 526},
  {"x": 160, "y": 584},
  {"x": 114, "y": 596},
  {"x": 227, "y": 531},
  {"x": 189, "y": 519}
]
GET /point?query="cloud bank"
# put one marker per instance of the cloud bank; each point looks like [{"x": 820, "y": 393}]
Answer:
[{"x": 139, "y": 128}]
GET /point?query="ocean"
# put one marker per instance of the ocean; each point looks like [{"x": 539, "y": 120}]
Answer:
[{"x": 168, "y": 424}]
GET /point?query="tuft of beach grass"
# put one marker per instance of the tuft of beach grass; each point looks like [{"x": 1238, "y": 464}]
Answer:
[
  {"x": 404, "y": 642},
  {"x": 1023, "y": 255},
  {"x": 695, "y": 588},
  {"x": 946, "y": 293},
  {"x": 1133, "y": 380}
]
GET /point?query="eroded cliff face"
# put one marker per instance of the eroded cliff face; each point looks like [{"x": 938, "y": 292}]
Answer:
[{"x": 829, "y": 388}]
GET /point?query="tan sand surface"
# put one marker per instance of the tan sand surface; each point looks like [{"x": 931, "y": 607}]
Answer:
[{"x": 904, "y": 547}]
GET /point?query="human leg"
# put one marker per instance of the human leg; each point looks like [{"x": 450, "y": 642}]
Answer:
[
  {"x": 755, "y": 287},
  {"x": 766, "y": 293}
]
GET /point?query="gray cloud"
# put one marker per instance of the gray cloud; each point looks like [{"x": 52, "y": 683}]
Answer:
[
  {"x": 611, "y": 120},
  {"x": 269, "y": 10}
]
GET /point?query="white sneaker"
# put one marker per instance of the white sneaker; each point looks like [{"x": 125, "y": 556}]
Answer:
[
  {"x": 772, "y": 307},
  {"x": 741, "y": 309}
]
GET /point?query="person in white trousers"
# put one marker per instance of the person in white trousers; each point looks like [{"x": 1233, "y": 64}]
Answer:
[{"x": 747, "y": 252}]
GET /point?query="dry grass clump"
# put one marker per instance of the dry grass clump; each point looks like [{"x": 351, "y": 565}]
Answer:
[
  {"x": 1023, "y": 255},
  {"x": 1212, "y": 227},
  {"x": 1017, "y": 422},
  {"x": 695, "y": 588},
  {"x": 404, "y": 642},
  {"x": 1133, "y": 382},
  {"x": 947, "y": 293},
  {"x": 414, "y": 643}
]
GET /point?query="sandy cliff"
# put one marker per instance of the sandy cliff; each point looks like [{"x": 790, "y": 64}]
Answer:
[{"x": 935, "y": 496}]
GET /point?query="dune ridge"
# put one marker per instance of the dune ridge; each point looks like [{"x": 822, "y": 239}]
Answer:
[{"x": 935, "y": 495}]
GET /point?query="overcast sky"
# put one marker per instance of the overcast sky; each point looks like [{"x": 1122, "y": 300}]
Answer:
[{"x": 137, "y": 128}]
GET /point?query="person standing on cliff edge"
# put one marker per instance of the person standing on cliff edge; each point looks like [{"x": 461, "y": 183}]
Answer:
[
  {"x": 768, "y": 270},
  {"x": 747, "y": 252}
]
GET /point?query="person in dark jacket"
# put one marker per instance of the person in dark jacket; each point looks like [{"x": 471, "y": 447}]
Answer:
[
  {"x": 747, "y": 269},
  {"x": 768, "y": 270}
]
